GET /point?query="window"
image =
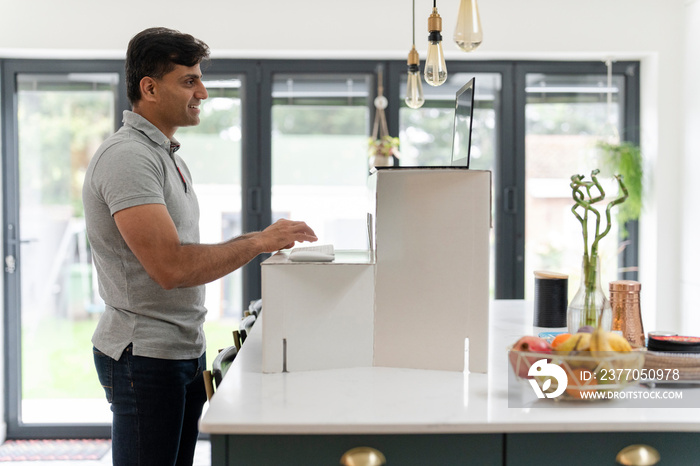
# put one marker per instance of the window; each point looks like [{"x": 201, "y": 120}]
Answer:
[
  {"x": 283, "y": 138},
  {"x": 426, "y": 133},
  {"x": 319, "y": 161},
  {"x": 61, "y": 120},
  {"x": 213, "y": 151},
  {"x": 565, "y": 117}
]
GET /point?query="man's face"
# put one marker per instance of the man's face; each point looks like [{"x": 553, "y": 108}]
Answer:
[{"x": 180, "y": 94}]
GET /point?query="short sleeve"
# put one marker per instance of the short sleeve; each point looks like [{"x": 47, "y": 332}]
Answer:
[{"x": 129, "y": 174}]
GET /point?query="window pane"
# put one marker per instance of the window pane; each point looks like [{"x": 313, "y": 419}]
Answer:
[
  {"x": 426, "y": 133},
  {"x": 62, "y": 119},
  {"x": 319, "y": 155},
  {"x": 212, "y": 151},
  {"x": 566, "y": 116}
]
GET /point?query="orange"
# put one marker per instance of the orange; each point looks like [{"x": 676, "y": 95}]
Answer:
[
  {"x": 577, "y": 382},
  {"x": 559, "y": 339}
]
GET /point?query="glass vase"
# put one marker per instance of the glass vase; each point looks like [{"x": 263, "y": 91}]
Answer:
[{"x": 589, "y": 306}]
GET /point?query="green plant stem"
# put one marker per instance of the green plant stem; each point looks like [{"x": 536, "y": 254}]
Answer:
[
  {"x": 590, "y": 271},
  {"x": 590, "y": 259},
  {"x": 612, "y": 204}
]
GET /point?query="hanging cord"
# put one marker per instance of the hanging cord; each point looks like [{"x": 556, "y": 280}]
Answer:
[
  {"x": 414, "y": 23},
  {"x": 381, "y": 128},
  {"x": 609, "y": 123},
  {"x": 608, "y": 64}
]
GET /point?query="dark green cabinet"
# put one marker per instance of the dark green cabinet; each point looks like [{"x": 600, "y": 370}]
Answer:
[
  {"x": 515, "y": 449},
  {"x": 326, "y": 450},
  {"x": 599, "y": 449}
]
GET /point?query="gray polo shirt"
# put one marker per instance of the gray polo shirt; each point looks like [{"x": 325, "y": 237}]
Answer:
[{"x": 135, "y": 166}]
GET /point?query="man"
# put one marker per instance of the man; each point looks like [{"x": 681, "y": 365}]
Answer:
[{"x": 142, "y": 223}]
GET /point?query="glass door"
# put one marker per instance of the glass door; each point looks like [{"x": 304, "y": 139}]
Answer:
[
  {"x": 61, "y": 120},
  {"x": 51, "y": 286},
  {"x": 319, "y": 154},
  {"x": 426, "y": 133},
  {"x": 566, "y": 115},
  {"x": 212, "y": 151}
]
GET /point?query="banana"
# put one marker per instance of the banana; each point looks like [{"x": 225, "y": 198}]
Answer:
[
  {"x": 600, "y": 340},
  {"x": 584, "y": 342},
  {"x": 618, "y": 342},
  {"x": 576, "y": 342},
  {"x": 608, "y": 341}
]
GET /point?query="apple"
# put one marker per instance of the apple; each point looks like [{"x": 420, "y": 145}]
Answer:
[
  {"x": 528, "y": 344},
  {"x": 533, "y": 344}
]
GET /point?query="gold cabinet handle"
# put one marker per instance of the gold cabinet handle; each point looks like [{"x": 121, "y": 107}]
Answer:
[
  {"x": 363, "y": 456},
  {"x": 638, "y": 455}
]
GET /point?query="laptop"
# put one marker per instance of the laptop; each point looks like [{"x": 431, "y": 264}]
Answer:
[{"x": 462, "y": 130}]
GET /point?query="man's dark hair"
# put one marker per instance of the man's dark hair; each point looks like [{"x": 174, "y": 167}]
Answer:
[{"x": 154, "y": 52}]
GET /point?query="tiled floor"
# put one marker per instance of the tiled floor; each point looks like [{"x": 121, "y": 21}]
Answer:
[{"x": 202, "y": 457}]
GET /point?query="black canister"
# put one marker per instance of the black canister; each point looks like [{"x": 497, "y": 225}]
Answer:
[{"x": 551, "y": 299}]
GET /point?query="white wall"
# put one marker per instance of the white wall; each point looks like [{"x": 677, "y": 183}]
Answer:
[
  {"x": 690, "y": 246},
  {"x": 513, "y": 28},
  {"x": 649, "y": 30}
]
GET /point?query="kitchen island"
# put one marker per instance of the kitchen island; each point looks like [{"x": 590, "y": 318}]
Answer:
[{"x": 430, "y": 417}]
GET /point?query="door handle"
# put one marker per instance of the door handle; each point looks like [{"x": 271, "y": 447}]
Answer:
[
  {"x": 10, "y": 264},
  {"x": 254, "y": 201},
  {"x": 10, "y": 258},
  {"x": 510, "y": 200}
]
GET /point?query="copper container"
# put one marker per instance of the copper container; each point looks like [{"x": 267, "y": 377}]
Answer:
[{"x": 626, "y": 312}]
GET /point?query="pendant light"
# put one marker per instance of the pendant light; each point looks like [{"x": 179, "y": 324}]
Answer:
[
  {"x": 435, "y": 67},
  {"x": 414, "y": 87},
  {"x": 468, "y": 33}
]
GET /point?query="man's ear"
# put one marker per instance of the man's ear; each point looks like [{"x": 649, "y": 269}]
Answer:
[{"x": 148, "y": 88}]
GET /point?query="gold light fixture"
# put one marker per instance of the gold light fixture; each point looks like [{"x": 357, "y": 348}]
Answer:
[
  {"x": 414, "y": 87},
  {"x": 468, "y": 33},
  {"x": 435, "y": 67}
]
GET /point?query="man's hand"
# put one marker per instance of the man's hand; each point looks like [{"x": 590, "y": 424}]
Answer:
[
  {"x": 283, "y": 234},
  {"x": 151, "y": 235}
]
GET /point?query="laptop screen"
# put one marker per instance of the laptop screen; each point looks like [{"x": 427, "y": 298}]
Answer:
[{"x": 462, "y": 133}]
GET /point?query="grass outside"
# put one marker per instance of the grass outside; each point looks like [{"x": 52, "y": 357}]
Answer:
[{"x": 57, "y": 357}]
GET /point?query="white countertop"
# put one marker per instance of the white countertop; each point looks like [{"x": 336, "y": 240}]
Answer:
[{"x": 377, "y": 400}]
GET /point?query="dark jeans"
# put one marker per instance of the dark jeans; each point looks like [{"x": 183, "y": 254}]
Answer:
[{"x": 156, "y": 405}]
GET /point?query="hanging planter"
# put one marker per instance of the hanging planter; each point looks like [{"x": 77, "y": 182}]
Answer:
[{"x": 383, "y": 148}]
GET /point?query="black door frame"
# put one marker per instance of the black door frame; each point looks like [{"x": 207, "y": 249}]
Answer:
[
  {"x": 11, "y": 247},
  {"x": 256, "y": 173}
]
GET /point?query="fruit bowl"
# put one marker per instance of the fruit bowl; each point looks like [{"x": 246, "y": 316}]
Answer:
[{"x": 589, "y": 375}]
